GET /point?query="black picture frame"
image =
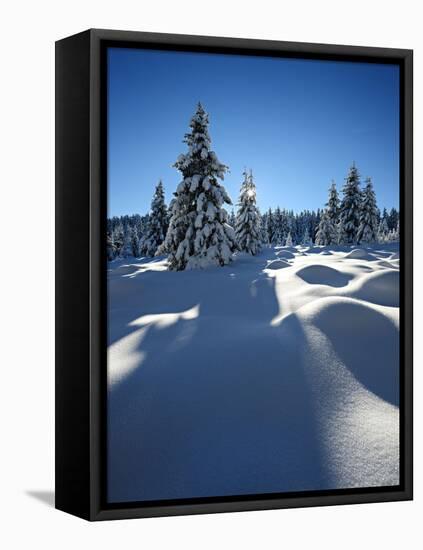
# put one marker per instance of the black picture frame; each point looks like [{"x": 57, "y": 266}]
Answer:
[{"x": 81, "y": 205}]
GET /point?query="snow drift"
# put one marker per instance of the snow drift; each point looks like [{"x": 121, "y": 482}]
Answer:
[{"x": 253, "y": 378}]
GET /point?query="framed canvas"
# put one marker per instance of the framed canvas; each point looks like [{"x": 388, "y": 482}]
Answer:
[{"x": 233, "y": 319}]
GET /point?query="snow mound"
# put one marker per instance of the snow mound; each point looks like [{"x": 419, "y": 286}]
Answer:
[
  {"x": 293, "y": 373},
  {"x": 395, "y": 256},
  {"x": 323, "y": 275},
  {"x": 360, "y": 254},
  {"x": 364, "y": 339},
  {"x": 286, "y": 254},
  {"x": 312, "y": 250},
  {"x": 278, "y": 264},
  {"x": 381, "y": 287}
]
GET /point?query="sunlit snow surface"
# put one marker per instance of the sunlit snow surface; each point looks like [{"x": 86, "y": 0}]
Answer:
[{"x": 279, "y": 372}]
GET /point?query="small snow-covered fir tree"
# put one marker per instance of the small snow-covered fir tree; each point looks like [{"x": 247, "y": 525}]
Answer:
[
  {"x": 367, "y": 231},
  {"x": 247, "y": 226},
  {"x": 326, "y": 231},
  {"x": 350, "y": 207},
  {"x": 199, "y": 235},
  {"x": 157, "y": 224},
  {"x": 393, "y": 235},
  {"x": 385, "y": 216},
  {"x": 397, "y": 231},
  {"x": 118, "y": 237},
  {"x": 277, "y": 227},
  {"x": 264, "y": 234},
  {"x": 288, "y": 241},
  {"x": 111, "y": 250},
  {"x": 127, "y": 244},
  {"x": 383, "y": 231},
  {"x": 135, "y": 243},
  {"x": 270, "y": 226},
  {"x": 332, "y": 206},
  {"x": 306, "y": 240},
  {"x": 393, "y": 219}
]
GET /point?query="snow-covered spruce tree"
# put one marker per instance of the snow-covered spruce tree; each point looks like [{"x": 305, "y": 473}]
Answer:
[
  {"x": 135, "y": 243},
  {"x": 393, "y": 235},
  {"x": 247, "y": 226},
  {"x": 326, "y": 231},
  {"x": 383, "y": 231},
  {"x": 288, "y": 241},
  {"x": 397, "y": 231},
  {"x": 270, "y": 226},
  {"x": 367, "y": 231},
  {"x": 157, "y": 224},
  {"x": 350, "y": 207},
  {"x": 264, "y": 235},
  {"x": 385, "y": 216},
  {"x": 284, "y": 225},
  {"x": 118, "y": 237},
  {"x": 332, "y": 206},
  {"x": 277, "y": 227},
  {"x": 393, "y": 219},
  {"x": 306, "y": 240},
  {"x": 199, "y": 235},
  {"x": 111, "y": 250},
  {"x": 127, "y": 242}
]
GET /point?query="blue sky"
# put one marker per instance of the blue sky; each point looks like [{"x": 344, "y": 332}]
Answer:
[{"x": 297, "y": 123}]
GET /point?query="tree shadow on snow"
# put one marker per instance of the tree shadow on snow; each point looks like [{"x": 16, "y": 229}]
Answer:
[
  {"x": 367, "y": 343},
  {"x": 324, "y": 275},
  {"x": 219, "y": 405}
]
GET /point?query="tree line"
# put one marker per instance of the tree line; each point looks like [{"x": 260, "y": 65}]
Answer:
[{"x": 196, "y": 231}]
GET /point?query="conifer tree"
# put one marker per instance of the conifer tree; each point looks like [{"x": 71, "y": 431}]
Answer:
[
  {"x": 157, "y": 224},
  {"x": 277, "y": 227},
  {"x": 367, "y": 231},
  {"x": 350, "y": 207},
  {"x": 127, "y": 244},
  {"x": 306, "y": 240},
  {"x": 383, "y": 231},
  {"x": 332, "y": 206},
  {"x": 111, "y": 251},
  {"x": 270, "y": 226},
  {"x": 199, "y": 235},
  {"x": 264, "y": 236},
  {"x": 395, "y": 233},
  {"x": 326, "y": 231},
  {"x": 135, "y": 243},
  {"x": 393, "y": 219},
  {"x": 288, "y": 241},
  {"x": 247, "y": 227},
  {"x": 385, "y": 216},
  {"x": 118, "y": 237}
]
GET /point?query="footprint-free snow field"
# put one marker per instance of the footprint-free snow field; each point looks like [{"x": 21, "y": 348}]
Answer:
[{"x": 276, "y": 373}]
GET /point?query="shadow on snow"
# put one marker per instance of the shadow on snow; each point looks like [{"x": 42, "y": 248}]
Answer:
[{"x": 214, "y": 408}]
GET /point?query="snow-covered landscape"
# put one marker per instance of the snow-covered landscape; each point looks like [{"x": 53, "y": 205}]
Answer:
[
  {"x": 251, "y": 351},
  {"x": 276, "y": 373}
]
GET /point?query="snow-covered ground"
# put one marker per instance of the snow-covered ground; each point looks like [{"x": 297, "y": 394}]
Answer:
[{"x": 279, "y": 372}]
